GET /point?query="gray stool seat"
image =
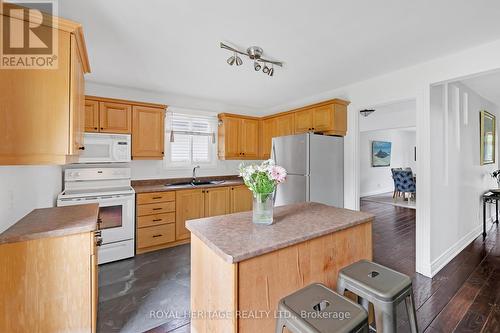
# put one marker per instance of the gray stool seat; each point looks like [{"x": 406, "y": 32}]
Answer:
[
  {"x": 318, "y": 309},
  {"x": 383, "y": 287}
]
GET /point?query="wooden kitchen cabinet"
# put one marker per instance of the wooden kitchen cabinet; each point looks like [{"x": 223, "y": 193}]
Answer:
[
  {"x": 241, "y": 199},
  {"x": 216, "y": 201},
  {"x": 328, "y": 118},
  {"x": 148, "y": 132},
  {"x": 115, "y": 118},
  {"x": 91, "y": 116},
  {"x": 190, "y": 205},
  {"x": 238, "y": 137},
  {"x": 274, "y": 127},
  {"x": 41, "y": 110},
  {"x": 49, "y": 284}
]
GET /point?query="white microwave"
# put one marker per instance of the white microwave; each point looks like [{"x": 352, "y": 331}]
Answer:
[{"x": 105, "y": 148}]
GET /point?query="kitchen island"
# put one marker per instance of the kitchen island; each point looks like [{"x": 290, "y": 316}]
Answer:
[{"x": 239, "y": 270}]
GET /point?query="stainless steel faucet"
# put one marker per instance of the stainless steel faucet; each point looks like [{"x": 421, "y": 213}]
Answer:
[{"x": 194, "y": 172}]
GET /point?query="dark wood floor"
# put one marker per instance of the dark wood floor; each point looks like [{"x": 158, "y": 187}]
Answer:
[{"x": 463, "y": 297}]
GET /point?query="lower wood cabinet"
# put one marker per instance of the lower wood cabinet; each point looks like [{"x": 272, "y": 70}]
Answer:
[
  {"x": 161, "y": 216},
  {"x": 155, "y": 222},
  {"x": 241, "y": 199},
  {"x": 49, "y": 284},
  {"x": 190, "y": 205}
]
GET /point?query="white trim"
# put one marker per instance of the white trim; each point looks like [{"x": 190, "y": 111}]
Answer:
[
  {"x": 454, "y": 250},
  {"x": 379, "y": 191}
]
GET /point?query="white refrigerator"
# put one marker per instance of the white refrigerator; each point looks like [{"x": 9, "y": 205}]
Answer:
[{"x": 315, "y": 167}]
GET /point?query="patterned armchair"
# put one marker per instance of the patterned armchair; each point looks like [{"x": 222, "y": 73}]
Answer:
[
  {"x": 393, "y": 170},
  {"x": 404, "y": 182}
]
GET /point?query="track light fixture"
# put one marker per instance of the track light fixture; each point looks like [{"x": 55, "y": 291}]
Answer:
[{"x": 255, "y": 54}]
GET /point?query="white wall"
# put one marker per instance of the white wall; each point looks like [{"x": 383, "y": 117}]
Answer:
[
  {"x": 458, "y": 180},
  {"x": 24, "y": 188},
  {"x": 376, "y": 180},
  {"x": 395, "y": 115}
]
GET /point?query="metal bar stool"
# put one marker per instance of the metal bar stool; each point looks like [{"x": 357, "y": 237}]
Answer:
[
  {"x": 384, "y": 288},
  {"x": 317, "y": 309}
]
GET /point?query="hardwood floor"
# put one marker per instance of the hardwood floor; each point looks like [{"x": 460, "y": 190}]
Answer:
[{"x": 463, "y": 297}]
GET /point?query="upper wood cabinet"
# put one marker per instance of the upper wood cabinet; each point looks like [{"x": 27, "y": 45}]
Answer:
[
  {"x": 238, "y": 137},
  {"x": 328, "y": 118},
  {"x": 274, "y": 127},
  {"x": 148, "y": 132},
  {"x": 144, "y": 121},
  {"x": 115, "y": 117},
  {"x": 91, "y": 116},
  {"x": 42, "y": 110}
]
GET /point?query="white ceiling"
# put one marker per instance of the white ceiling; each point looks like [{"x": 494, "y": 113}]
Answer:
[
  {"x": 173, "y": 46},
  {"x": 486, "y": 85}
]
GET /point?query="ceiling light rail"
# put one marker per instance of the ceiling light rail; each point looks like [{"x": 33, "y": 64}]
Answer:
[{"x": 255, "y": 54}]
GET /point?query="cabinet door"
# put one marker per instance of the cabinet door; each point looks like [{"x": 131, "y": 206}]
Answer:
[
  {"x": 303, "y": 121},
  {"x": 229, "y": 146},
  {"x": 241, "y": 199},
  {"x": 77, "y": 97},
  {"x": 91, "y": 116},
  {"x": 249, "y": 138},
  {"x": 189, "y": 205},
  {"x": 268, "y": 128},
  {"x": 323, "y": 118},
  {"x": 115, "y": 117},
  {"x": 148, "y": 133},
  {"x": 340, "y": 119},
  {"x": 284, "y": 125},
  {"x": 217, "y": 201}
]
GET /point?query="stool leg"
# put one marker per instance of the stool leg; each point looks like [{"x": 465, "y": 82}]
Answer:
[
  {"x": 379, "y": 320},
  {"x": 341, "y": 288},
  {"x": 390, "y": 323},
  {"x": 410, "y": 309}
]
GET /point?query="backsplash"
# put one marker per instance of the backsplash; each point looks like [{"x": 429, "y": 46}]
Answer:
[{"x": 157, "y": 170}]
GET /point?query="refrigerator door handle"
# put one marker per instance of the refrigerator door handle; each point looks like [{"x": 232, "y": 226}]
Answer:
[{"x": 274, "y": 153}]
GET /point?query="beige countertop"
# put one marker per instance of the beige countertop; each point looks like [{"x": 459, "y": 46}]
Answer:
[
  {"x": 235, "y": 238},
  {"x": 53, "y": 222},
  {"x": 158, "y": 185}
]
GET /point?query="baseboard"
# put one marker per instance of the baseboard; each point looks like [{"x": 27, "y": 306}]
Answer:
[
  {"x": 379, "y": 191},
  {"x": 454, "y": 250}
]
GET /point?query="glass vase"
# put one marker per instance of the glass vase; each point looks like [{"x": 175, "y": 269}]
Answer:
[{"x": 263, "y": 208}]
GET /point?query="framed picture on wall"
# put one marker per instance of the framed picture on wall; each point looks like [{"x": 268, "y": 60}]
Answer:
[
  {"x": 381, "y": 153},
  {"x": 487, "y": 123}
]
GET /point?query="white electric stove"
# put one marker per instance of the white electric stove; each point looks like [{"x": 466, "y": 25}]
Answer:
[{"x": 111, "y": 189}]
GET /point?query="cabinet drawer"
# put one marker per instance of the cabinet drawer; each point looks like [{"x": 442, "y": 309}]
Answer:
[
  {"x": 150, "y": 220},
  {"x": 156, "y": 208},
  {"x": 147, "y": 198},
  {"x": 156, "y": 235}
]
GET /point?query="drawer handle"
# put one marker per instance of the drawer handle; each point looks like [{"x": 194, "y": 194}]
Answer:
[
  {"x": 157, "y": 198},
  {"x": 158, "y": 235},
  {"x": 157, "y": 208},
  {"x": 157, "y": 220}
]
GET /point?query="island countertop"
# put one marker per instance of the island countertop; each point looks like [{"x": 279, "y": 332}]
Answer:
[
  {"x": 235, "y": 238},
  {"x": 53, "y": 222}
]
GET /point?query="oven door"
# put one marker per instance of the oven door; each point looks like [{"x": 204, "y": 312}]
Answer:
[{"x": 116, "y": 215}]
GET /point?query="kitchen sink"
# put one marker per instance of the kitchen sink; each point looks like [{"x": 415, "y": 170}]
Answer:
[{"x": 197, "y": 183}]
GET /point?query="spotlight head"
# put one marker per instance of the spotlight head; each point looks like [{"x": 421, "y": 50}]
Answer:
[
  {"x": 271, "y": 72},
  {"x": 239, "y": 62},
  {"x": 265, "y": 70},
  {"x": 231, "y": 60},
  {"x": 257, "y": 66}
]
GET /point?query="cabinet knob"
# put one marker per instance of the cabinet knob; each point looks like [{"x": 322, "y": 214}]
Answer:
[
  {"x": 158, "y": 235},
  {"x": 102, "y": 128},
  {"x": 81, "y": 148},
  {"x": 95, "y": 128}
]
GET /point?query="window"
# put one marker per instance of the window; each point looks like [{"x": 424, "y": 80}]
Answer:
[{"x": 190, "y": 140}]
